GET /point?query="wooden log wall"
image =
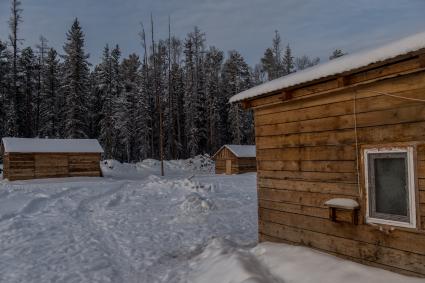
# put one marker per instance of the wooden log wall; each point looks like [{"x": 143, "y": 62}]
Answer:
[
  {"x": 306, "y": 155},
  {"x": 239, "y": 165},
  {"x": 24, "y": 166}
]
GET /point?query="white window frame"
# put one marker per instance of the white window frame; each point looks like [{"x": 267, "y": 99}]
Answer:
[{"x": 411, "y": 186}]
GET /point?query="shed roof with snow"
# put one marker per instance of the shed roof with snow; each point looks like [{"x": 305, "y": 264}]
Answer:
[
  {"x": 337, "y": 66},
  {"x": 235, "y": 159},
  {"x": 28, "y": 145},
  {"x": 241, "y": 151}
]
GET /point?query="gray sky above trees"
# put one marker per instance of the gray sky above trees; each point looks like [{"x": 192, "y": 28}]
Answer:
[{"x": 312, "y": 27}]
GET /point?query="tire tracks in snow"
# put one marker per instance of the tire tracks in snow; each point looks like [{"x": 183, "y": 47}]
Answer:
[
  {"x": 38, "y": 203},
  {"x": 123, "y": 270}
]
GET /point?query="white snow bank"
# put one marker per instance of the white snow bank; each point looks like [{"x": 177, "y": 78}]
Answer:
[
  {"x": 337, "y": 66},
  {"x": 195, "y": 202},
  {"x": 278, "y": 263},
  {"x": 140, "y": 228},
  {"x": 342, "y": 203},
  {"x": 51, "y": 145},
  {"x": 201, "y": 164}
]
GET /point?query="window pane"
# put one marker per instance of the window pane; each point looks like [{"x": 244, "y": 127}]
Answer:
[{"x": 391, "y": 186}]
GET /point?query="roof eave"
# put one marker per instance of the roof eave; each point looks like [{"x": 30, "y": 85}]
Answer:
[{"x": 420, "y": 53}]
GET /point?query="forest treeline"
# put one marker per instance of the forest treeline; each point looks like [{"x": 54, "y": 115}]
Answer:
[{"x": 177, "y": 89}]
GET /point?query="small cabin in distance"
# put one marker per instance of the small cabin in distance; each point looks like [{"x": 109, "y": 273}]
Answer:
[
  {"x": 235, "y": 159},
  {"x": 341, "y": 156},
  {"x": 25, "y": 158}
]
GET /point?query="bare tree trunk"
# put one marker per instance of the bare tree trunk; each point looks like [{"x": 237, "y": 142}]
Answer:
[{"x": 14, "y": 21}]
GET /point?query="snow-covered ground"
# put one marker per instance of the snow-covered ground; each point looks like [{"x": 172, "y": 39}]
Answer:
[
  {"x": 131, "y": 226},
  {"x": 134, "y": 226}
]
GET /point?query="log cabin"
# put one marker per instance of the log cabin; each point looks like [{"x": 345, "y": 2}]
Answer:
[
  {"x": 25, "y": 159},
  {"x": 235, "y": 159},
  {"x": 341, "y": 156}
]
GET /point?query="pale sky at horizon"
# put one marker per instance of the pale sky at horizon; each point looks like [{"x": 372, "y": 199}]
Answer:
[{"x": 311, "y": 27}]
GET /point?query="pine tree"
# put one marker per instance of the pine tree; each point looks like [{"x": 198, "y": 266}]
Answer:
[
  {"x": 195, "y": 101},
  {"x": 269, "y": 65},
  {"x": 95, "y": 103},
  {"x": 336, "y": 54},
  {"x": 117, "y": 102},
  {"x": 27, "y": 80},
  {"x": 146, "y": 105},
  {"x": 272, "y": 63},
  {"x": 75, "y": 83},
  {"x": 5, "y": 87},
  {"x": 305, "y": 62},
  {"x": 51, "y": 102},
  {"x": 288, "y": 61},
  {"x": 42, "y": 50},
  {"x": 213, "y": 66},
  {"x": 237, "y": 78},
  {"x": 129, "y": 108},
  {"x": 173, "y": 110},
  {"x": 104, "y": 76}
]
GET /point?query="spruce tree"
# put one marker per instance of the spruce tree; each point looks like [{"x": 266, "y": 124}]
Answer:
[
  {"x": 104, "y": 76},
  {"x": 51, "y": 102},
  {"x": 195, "y": 101},
  {"x": 42, "y": 50},
  {"x": 288, "y": 61},
  {"x": 129, "y": 123},
  {"x": 213, "y": 66},
  {"x": 27, "y": 81},
  {"x": 305, "y": 62},
  {"x": 75, "y": 83},
  {"x": 5, "y": 87},
  {"x": 237, "y": 78},
  {"x": 336, "y": 54},
  {"x": 117, "y": 101}
]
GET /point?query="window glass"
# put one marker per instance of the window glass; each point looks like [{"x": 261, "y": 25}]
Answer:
[{"x": 391, "y": 192}]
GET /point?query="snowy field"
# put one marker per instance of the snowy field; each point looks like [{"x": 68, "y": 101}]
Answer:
[{"x": 134, "y": 226}]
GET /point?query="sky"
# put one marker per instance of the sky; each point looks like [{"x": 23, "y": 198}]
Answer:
[{"x": 311, "y": 27}]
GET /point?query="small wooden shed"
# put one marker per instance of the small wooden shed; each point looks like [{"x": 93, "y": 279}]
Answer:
[
  {"x": 235, "y": 159},
  {"x": 341, "y": 156},
  {"x": 25, "y": 159}
]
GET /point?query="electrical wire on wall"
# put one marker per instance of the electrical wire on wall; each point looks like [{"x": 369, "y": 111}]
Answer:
[{"x": 355, "y": 124}]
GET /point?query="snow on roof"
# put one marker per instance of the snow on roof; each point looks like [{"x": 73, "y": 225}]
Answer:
[
  {"x": 51, "y": 145},
  {"x": 241, "y": 150},
  {"x": 340, "y": 65}
]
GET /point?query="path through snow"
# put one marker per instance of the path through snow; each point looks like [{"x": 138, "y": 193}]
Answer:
[{"x": 132, "y": 226}]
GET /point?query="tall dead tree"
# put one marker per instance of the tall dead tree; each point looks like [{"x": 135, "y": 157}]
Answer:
[
  {"x": 41, "y": 50},
  {"x": 15, "y": 120}
]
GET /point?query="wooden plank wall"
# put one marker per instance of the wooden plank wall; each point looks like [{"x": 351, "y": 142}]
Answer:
[
  {"x": 244, "y": 165},
  {"x": 21, "y": 166},
  {"x": 24, "y": 166},
  {"x": 220, "y": 160},
  {"x": 306, "y": 154},
  {"x": 84, "y": 165},
  {"x": 239, "y": 165},
  {"x": 5, "y": 166}
]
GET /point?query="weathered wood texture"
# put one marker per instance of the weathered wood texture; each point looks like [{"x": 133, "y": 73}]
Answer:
[
  {"x": 306, "y": 154},
  {"x": 239, "y": 165},
  {"x": 25, "y": 166}
]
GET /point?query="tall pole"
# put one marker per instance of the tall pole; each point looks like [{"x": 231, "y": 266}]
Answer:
[{"x": 159, "y": 105}]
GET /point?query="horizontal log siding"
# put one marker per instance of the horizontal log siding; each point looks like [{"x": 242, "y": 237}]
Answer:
[
  {"x": 239, "y": 165},
  {"x": 306, "y": 154},
  {"x": 24, "y": 166}
]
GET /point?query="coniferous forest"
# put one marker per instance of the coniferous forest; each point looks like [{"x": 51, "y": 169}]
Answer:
[{"x": 177, "y": 88}]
